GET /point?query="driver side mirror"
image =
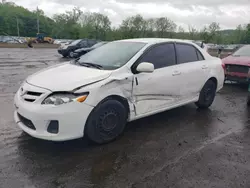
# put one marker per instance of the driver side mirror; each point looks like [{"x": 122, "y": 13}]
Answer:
[{"x": 145, "y": 67}]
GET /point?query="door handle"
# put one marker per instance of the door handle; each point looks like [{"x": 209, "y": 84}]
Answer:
[
  {"x": 175, "y": 73},
  {"x": 204, "y": 67}
]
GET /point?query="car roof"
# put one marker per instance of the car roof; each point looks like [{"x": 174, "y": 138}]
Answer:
[{"x": 156, "y": 40}]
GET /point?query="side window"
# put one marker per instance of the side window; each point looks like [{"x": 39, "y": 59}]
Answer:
[
  {"x": 91, "y": 42},
  {"x": 83, "y": 44},
  {"x": 200, "y": 56},
  {"x": 161, "y": 56},
  {"x": 186, "y": 53}
]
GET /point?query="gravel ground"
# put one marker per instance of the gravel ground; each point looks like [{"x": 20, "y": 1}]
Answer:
[{"x": 180, "y": 148}]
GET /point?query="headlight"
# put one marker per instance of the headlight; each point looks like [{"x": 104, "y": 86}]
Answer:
[{"x": 62, "y": 98}]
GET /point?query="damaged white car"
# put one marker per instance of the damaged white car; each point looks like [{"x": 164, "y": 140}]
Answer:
[{"x": 119, "y": 82}]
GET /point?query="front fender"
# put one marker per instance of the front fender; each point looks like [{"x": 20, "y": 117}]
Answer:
[{"x": 120, "y": 86}]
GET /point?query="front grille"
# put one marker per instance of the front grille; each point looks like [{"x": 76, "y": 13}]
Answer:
[
  {"x": 236, "y": 78},
  {"x": 31, "y": 96},
  {"x": 29, "y": 100},
  {"x": 34, "y": 93},
  {"x": 26, "y": 122},
  {"x": 237, "y": 68}
]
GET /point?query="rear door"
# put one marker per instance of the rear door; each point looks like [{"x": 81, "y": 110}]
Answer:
[
  {"x": 157, "y": 90},
  {"x": 192, "y": 70}
]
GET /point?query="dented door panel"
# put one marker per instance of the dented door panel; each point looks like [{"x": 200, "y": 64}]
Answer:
[{"x": 153, "y": 91}]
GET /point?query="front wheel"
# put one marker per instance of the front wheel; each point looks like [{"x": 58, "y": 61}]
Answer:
[
  {"x": 71, "y": 54},
  {"x": 106, "y": 122},
  {"x": 207, "y": 95}
]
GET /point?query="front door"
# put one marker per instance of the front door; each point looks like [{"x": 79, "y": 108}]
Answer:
[{"x": 156, "y": 90}]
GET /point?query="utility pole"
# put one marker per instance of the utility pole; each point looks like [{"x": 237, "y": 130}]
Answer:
[
  {"x": 17, "y": 26},
  {"x": 38, "y": 27}
]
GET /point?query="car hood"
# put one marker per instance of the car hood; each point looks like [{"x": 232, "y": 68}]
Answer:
[
  {"x": 67, "y": 77},
  {"x": 237, "y": 60},
  {"x": 63, "y": 46}
]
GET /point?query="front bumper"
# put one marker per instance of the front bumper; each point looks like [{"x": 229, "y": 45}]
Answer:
[
  {"x": 237, "y": 77},
  {"x": 71, "y": 117},
  {"x": 62, "y": 51},
  {"x": 237, "y": 73}
]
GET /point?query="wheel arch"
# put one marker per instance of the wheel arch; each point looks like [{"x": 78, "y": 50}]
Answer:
[
  {"x": 214, "y": 80},
  {"x": 119, "y": 98}
]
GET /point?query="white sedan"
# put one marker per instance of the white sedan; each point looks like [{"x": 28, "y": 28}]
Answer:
[{"x": 97, "y": 94}]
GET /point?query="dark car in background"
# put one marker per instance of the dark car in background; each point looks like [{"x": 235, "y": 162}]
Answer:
[
  {"x": 68, "y": 49},
  {"x": 82, "y": 51},
  {"x": 237, "y": 65}
]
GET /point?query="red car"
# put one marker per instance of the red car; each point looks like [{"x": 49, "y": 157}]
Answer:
[{"x": 237, "y": 65}]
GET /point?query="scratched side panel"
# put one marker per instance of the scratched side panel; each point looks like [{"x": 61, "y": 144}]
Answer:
[
  {"x": 151, "y": 102},
  {"x": 117, "y": 84},
  {"x": 155, "y": 90}
]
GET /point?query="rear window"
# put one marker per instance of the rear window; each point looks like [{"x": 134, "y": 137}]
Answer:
[
  {"x": 186, "y": 53},
  {"x": 200, "y": 56}
]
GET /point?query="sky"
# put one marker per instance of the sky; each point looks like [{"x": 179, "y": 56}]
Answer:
[{"x": 196, "y": 13}]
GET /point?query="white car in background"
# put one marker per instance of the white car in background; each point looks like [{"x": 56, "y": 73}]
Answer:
[{"x": 119, "y": 82}]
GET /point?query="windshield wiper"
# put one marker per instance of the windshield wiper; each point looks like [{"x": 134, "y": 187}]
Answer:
[{"x": 90, "y": 65}]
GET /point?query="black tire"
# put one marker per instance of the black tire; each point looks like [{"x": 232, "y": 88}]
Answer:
[
  {"x": 207, "y": 95},
  {"x": 106, "y": 122},
  {"x": 64, "y": 55},
  {"x": 248, "y": 100}
]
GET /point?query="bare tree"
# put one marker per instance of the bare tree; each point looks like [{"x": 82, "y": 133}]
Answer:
[
  {"x": 192, "y": 32},
  {"x": 164, "y": 27}
]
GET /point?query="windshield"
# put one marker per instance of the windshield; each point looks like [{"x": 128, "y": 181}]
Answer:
[
  {"x": 99, "y": 44},
  {"x": 243, "y": 51},
  {"x": 75, "y": 42},
  {"x": 112, "y": 55}
]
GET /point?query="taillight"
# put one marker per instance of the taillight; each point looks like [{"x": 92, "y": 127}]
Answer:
[{"x": 223, "y": 65}]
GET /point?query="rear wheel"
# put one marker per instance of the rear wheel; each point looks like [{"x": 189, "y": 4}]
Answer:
[
  {"x": 207, "y": 95},
  {"x": 106, "y": 122}
]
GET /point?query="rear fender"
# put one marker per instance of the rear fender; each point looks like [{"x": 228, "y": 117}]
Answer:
[{"x": 217, "y": 72}]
